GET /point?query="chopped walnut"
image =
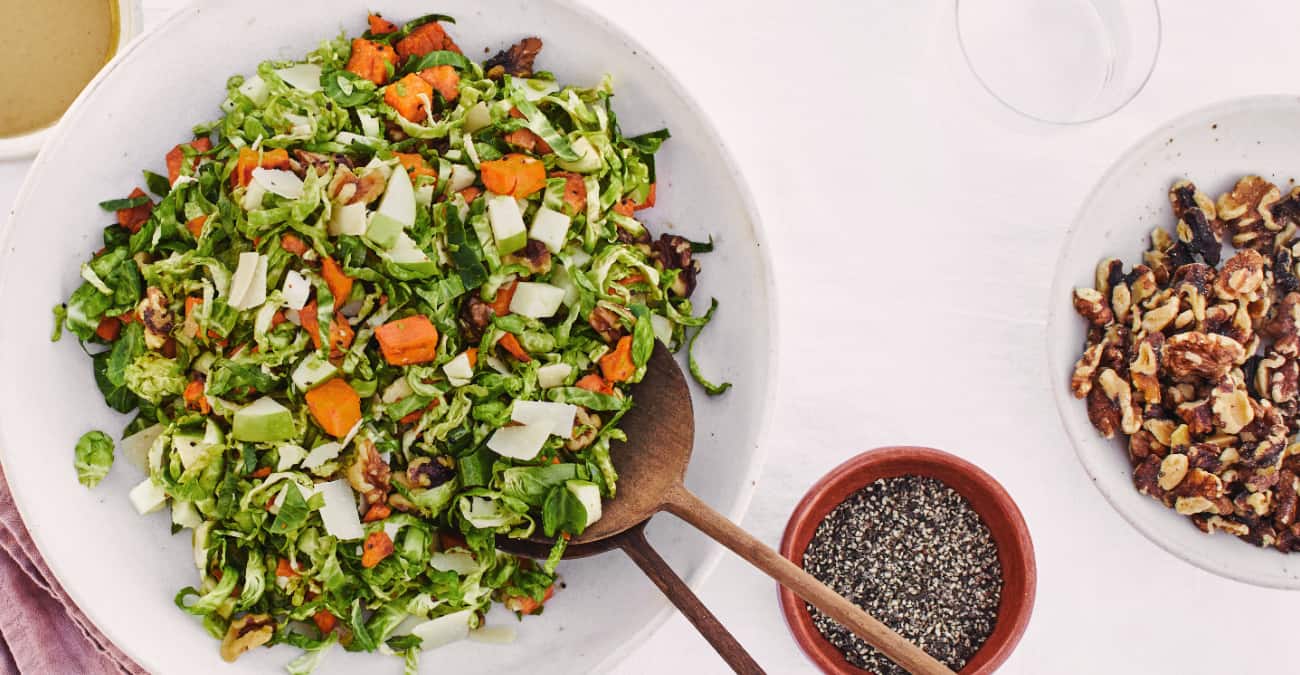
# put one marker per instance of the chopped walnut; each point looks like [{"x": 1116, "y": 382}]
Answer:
[
  {"x": 585, "y": 427},
  {"x": 674, "y": 253},
  {"x": 156, "y": 318},
  {"x": 610, "y": 328},
  {"x": 535, "y": 256},
  {"x": 1196, "y": 354},
  {"x": 1232, "y": 411},
  {"x": 1091, "y": 305},
  {"x": 368, "y": 473},
  {"x": 516, "y": 61},
  {"x": 1196, "y": 361},
  {"x": 246, "y": 632},
  {"x": 1120, "y": 394},
  {"x": 1241, "y": 276},
  {"x": 1173, "y": 468},
  {"x": 426, "y": 472},
  {"x": 1249, "y": 201}
]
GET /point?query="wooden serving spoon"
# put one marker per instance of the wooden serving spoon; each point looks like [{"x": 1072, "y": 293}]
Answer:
[
  {"x": 635, "y": 545},
  {"x": 652, "y": 467}
]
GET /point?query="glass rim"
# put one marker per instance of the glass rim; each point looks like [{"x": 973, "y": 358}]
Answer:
[{"x": 1155, "y": 59}]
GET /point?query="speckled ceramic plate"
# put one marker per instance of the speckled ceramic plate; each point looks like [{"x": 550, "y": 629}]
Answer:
[
  {"x": 1213, "y": 147},
  {"x": 124, "y": 570}
]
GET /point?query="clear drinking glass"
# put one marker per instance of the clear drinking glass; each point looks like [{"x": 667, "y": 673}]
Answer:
[{"x": 1060, "y": 61}]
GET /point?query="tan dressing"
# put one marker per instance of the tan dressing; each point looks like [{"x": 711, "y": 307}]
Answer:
[{"x": 51, "y": 50}]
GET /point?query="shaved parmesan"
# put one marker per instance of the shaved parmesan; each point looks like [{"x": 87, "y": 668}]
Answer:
[
  {"x": 555, "y": 417},
  {"x": 287, "y": 184},
  {"x": 339, "y": 512},
  {"x": 519, "y": 442},
  {"x": 303, "y": 76},
  {"x": 443, "y": 630}
]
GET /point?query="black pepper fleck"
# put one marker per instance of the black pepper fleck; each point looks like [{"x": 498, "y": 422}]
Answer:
[{"x": 913, "y": 553}]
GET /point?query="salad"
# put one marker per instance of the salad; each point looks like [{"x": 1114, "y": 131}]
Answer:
[{"x": 385, "y": 310}]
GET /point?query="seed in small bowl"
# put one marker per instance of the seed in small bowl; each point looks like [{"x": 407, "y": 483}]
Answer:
[
  {"x": 914, "y": 554},
  {"x": 926, "y": 542}
]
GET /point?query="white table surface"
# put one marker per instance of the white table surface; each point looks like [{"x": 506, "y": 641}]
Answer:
[{"x": 915, "y": 224}]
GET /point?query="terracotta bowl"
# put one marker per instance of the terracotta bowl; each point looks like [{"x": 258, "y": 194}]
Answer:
[{"x": 995, "y": 507}]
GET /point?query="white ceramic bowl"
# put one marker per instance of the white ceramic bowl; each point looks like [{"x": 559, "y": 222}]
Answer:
[
  {"x": 130, "y": 24},
  {"x": 123, "y": 570},
  {"x": 1213, "y": 147}
]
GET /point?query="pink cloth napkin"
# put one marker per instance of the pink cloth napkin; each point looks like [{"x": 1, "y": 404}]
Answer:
[{"x": 41, "y": 630}]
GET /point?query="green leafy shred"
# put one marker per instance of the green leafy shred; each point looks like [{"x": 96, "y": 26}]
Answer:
[
  {"x": 262, "y": 349},
  {"x": 94, "y": 457}
]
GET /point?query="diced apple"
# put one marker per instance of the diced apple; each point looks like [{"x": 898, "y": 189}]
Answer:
[
  {"x": 459, "y": 371},
  {"x": 313, "y": 370},
  {"x": 477, "y": 117},
  {"x": 507, "y": 223},
  {"x": 551, "y": 228},
  {"x": 185, "y": 515},
  {"x": 461, "y": 177},
  {"x": 424, "y": 195},
  {"x": 349, "y": 219},
  {"x": 536, "y": 300},
  {"x": 384, "y": 230},
  {"x": 553, "y": 374},
  {"x": 398, "y": 201},
  {"x": 193, "y": 445},
  {"x": 589, "y": 494},
  {"x": 296, "y": 290},
  {"x": 410, "y": 257},
  {"x": 263, "y": 421},
  {"x": 561, "y": 280},
  {"x": 255, "y": 89},
  {"x": 147, "y": 497}
]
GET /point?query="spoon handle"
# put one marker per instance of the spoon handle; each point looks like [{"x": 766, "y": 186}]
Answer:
[
  {"x": 639, "y": 550},
  {"x": 681, "y": 503}
]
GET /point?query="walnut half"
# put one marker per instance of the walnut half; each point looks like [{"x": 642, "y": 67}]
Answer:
[{"x": 246, "y": 632}]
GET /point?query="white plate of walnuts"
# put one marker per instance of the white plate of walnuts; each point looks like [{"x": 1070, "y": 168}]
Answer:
[{"x": 1174, "y": 338}]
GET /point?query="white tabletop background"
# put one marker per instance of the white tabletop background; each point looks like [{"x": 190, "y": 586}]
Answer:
[{"x": 915, "y": 225}]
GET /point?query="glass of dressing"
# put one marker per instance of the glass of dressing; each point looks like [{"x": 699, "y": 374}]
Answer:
[{"x": 61, "y": 45}]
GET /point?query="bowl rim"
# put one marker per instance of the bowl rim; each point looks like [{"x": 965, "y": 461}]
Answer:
[
  {"x": 995, "y": 506},
  {"x": 130, "y": 25},
  {"x": 1056, "y": 307},
  {"x": 747, "y": 482}
]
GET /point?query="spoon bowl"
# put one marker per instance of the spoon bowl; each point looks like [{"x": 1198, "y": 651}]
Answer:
[{"x": 652, "y": 467}]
